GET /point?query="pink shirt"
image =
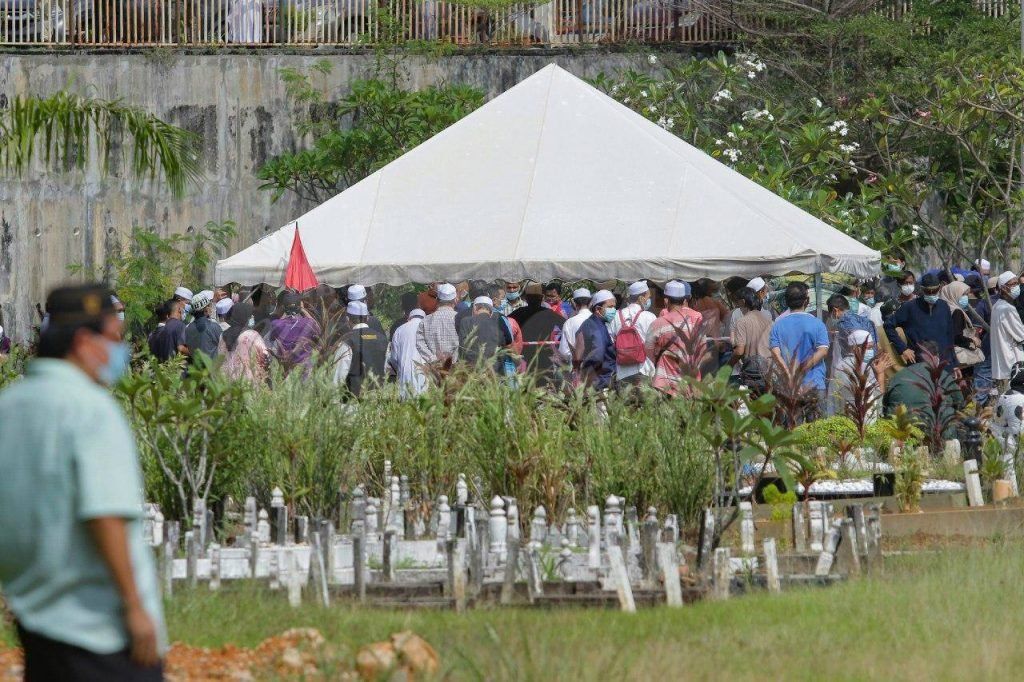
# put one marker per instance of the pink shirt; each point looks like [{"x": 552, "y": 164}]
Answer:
[{"x": 674, "y": 343}]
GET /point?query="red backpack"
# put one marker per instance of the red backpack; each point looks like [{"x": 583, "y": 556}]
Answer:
[{"x": 629, "y": 343}]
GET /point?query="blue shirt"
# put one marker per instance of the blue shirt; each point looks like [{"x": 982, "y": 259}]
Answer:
[
  {"x": 68, "y": 455},
  {"x": 598, "y": 351},
  {"x": 922, "y": 321},
  {"x": 797, "y": 336}
]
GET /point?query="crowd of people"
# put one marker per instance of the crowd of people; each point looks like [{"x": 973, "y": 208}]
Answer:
[{"x": 624, "y": 338}]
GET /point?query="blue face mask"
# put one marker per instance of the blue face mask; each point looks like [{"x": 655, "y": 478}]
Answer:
[
  {"x": 609, "y": 315},
  {"x": 647, "y": 304},
  {"x": 1015, "y": 291},
  {"x": 869, "y": 355},
  {"x": 252, "y": 322},
  {"x": 869, "y": 300},
  {"x": 932, "y": 299},
  {"x": 118, "y": 361},
  {"x": 963, "y": 301},
  {"x": 120, "y": 316},
  {"x": 512, "y": 296}
]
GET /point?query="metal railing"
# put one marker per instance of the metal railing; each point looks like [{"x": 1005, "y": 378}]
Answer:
[{"x": 130, "y": 23}]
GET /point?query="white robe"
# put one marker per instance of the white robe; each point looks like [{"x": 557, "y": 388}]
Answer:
[
  {"x": 1007, "y": 337},
  {"x": 405, "y": 361},
  {"x": 567, "y": 344}
]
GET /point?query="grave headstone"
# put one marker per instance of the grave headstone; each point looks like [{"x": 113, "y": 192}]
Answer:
[
  {"x": 318, "y": 571},
  {"x": 539, "y": 525},
  {"x": 799, "y": 528},
  {"x": 358, "y": 508},
  {"x": 390, "y": 556},
  {"x": 462, "y": 491},
  {"x": 816, "y": 514},
  {"x": 747, "y": 528},
  {"x": 849, "y": 552},
  {"x": 594, "y": 536},
  {"x": 565, "y": 560},
  {"x": 512, "y": 511},
  {"x": 279, "y": 517},
  {"x": 294, "y": 580},
  {"x": 973, "y": 481},
  {"x": 669, "y": 565},
  {"x": 215, "y": 567},
  {"x": 371, "y": 526},
  {"x": 359, "y": 566},
  {"x": 722, "y": 574},
  {"x": 671, "y": 531},
  {"x": 263, "y": 527},
  {"x": 251, "y": 515},
  {"x": 828, "y": 552},
  {"x": 498, "y": 525},
  {"x": 620, "y": 578},
  {"x": 511, "y": 570},
  {"x": 572, "y": 529},
  {"x": 771, "y": 565},
  {"x": 707, "y": 539}
]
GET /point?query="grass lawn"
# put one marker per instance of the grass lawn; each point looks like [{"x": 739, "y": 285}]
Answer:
[{"x": 954, "y": 615}]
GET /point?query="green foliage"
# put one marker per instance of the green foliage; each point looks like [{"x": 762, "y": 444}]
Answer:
[
  {"x": 375, "y": 123},
  {"x": 189, "y": 428},
  {"x": 781, "y": 503},
  {"x": 899, "y": 429},
  {"x": 830, "y": 433},
  {"x": 910, "y": 476},
  {"x": 146, "y": 269},
  {"x": 12, "y": 365},
  {"x": 62, "y": 127}
]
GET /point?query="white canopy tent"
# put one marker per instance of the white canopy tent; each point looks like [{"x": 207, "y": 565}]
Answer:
[{"x": 553, "y": 179}]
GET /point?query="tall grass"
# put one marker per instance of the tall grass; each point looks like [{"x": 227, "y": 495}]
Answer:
[{"x": 304, "y": 436}]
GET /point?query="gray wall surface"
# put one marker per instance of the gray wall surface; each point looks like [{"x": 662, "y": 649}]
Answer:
[{"x": 237, "y": 102}]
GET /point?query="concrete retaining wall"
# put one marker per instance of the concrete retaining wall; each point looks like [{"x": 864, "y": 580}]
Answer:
[{"x": 236, "y": 102}]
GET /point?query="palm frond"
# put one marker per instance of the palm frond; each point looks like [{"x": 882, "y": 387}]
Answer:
[{"x": 60, "y": 129}]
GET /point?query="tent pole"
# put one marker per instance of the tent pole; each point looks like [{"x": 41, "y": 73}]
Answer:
[{"x": 817, "y": 296}]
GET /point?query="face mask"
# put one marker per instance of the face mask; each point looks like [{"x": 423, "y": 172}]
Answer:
[
  {"x": 869, "y": 355},
  {"x": 118, "y": 359},
  {"x": 931, "y": 298},
  {"x": 869, "y": 300},
  {"x": 1015, "y": 291},
  {"x": 647, "y": 304},
  {"x": 502, "y": 308},
  {"x": 963, "y": 302},
  {"x": 609, "y": 315},
  {"x": 252, "y": 322},
  {"x": 512, "y": 296},
  {"x": 120, "y": 316},
  {"x": 907, "y": 289}
]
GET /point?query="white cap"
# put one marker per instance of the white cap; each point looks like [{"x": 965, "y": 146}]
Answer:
[
  {"x": 483, "y": 300},
  {"x": 1006, "y": 278},
  {"x": 114, "y": 299},
  {"x": 1, "y": 332},
  {"x": 983, "y": 266},
  {"x": 182, "y": 292},
  {"x": 445, "y": 292},
  {"x": 417, "y": 312},
  {"x": 857, "y": 337},
  {"x": 201, "y": 301},
  {"x": 637, "y": 288},
  {"x": 677, "y": 289},
  {"x": 581, "y": 293},
  {"x": 357, "y": 308},
  {"x": 601, "y": 296},
  {"x": 756, "y": 284},
  {"x": 958, "y": 277},
  {"x": 356, "y": 292},
  {"x": 224, "y": 306}
]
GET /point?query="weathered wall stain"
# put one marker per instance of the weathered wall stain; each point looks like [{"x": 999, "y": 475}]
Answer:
[{"x": 237, "y": 102}]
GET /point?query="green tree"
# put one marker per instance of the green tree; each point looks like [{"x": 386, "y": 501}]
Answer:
[
  {"x": 62, "y": 128},
  {"x": 375, "y": 123}
]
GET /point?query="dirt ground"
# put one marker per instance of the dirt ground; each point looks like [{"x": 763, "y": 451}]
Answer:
[{"x": 295, "y": 654}]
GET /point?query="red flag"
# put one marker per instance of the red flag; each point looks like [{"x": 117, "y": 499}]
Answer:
[{"x": 299, "y": 275}]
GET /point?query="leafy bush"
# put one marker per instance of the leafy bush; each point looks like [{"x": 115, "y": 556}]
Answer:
[{"x": 827, "y": 433}]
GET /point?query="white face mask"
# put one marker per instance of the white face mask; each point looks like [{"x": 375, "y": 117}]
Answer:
[
  {"x": 1015, "y": 291},
  {"x": 907, "y": 289}
]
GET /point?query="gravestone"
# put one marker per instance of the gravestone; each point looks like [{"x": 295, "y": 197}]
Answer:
[
  {"x": 498, "y": 525},
  {"x": 771, "y": 565},
  {"x": 747, "y": 528},
  {"x": 973, "y": 482}
]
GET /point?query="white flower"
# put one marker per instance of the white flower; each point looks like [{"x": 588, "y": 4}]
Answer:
[
  {"x": 832, "y": 177},
  {"x": 733, "y": 154},
  {"x": 816, "y": 102},
  {"x": 731, "y": 135},
  {"x": 652, "y": 108},
  {"x": 651, "y": 59},
  {"x": 719, "y": 142},
  {"x": 849, "y": 148},
  {"x": 626, "y": 101},
  {"x": 643, "y": 93},
  {"x": 838, "y": 127},
  {"x": 722, "y": 95},
  {"x": 739, "y": 127},
  {"x": 671, "y": 123},
  {"x": 915, "y": 230},
  {"x": 615, "y": 89},
  {"x": 751, "y": 75}
]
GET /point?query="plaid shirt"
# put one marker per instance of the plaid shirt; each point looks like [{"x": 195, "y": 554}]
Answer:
[{"x": 437, "y": 338}]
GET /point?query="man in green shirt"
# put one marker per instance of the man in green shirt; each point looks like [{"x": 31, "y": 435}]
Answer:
[
  {"x": 74, "y": 569},
  {"x": 912, "y": 386}
]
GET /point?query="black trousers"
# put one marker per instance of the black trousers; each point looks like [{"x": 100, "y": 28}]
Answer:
[{"x": 47, "y": 660}]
